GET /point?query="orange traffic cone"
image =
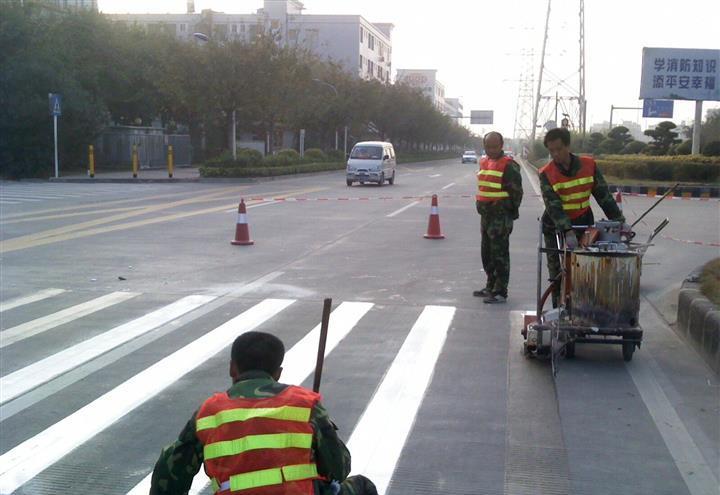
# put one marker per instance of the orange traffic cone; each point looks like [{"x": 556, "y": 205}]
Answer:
[
  {"x": 618, "y": 199},
  {"x": 242, "y": 232},
  {"x": 433, "y": 231}
]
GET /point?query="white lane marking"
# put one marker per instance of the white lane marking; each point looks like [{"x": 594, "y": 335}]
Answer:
[
  {"x": 697, "y": 475},
  {"x": 45, "y": 323},
  {"x": 25, "y": 461},
  {"x": 296, "y": 368},
  {"x": 234, "y": 210},
  {"x": 533, "y": 177},
  {"x": 3, "y": 202},
  {"x": 23, "y": 300},
  {"x": 433, "y": 176},
  {"x": 448, "y": 186},
  {"x": 380, "y": 435},
  {"x": 406, "y": 207},
  {"x": 22, "y": 199},
  {"x": 42, "y": 371}
]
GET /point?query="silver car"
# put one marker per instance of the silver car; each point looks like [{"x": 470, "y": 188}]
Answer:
[
  {"x": 371, "y": 161},
  {"x": 469, "y": 156}
]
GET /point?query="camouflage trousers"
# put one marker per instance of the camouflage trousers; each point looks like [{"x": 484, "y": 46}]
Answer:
[
  {"x": 354, "y": 485},
  {"x": 495, "y": 251}
]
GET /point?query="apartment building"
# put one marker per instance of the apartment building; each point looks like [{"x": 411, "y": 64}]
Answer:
[
  {"x": 426, "y": 80},
  {"x": 362, "y": 47}
]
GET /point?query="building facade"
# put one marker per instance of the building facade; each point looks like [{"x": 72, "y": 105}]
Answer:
[
  {"x": 426, "y": 81},
  {"x": 361, "y": 47},
  {"x": 74, "y": 4}
]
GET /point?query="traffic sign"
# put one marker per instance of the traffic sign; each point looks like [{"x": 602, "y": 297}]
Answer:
[
  {"x": 658, "y": 109},
  {"x": 55, "y": 100},
  {"x": 481, "y": 117}
]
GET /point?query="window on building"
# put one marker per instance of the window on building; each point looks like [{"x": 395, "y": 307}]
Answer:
[
  {"x": 253, "y": 32},
  {"x": 362, "y": 35},
  {"x": 371, "y": 41},
  {"x": 183, "y": 28},
  {"x": 242, "y": 28},
  {"x": 370, "y": 67},
  {"x": 362, "y": 62},
  {"x": 380, "y": 73},
  {"x": 293, "y": 35},
  {"x": 234, "y": 29}
]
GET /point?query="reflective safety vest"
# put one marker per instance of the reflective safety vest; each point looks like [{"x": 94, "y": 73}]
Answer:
[
  {"x": 259, "y": 446},
  {"x": 490, "y": 187},
  {"x": 574, "y": 191}
]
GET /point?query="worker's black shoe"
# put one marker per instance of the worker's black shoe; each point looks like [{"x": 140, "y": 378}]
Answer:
[
  {"x": 482, "y": 293},
  {"x": 495, "y": 299}
]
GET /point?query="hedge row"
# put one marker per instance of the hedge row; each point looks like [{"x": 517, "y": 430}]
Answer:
[
  {"x": 661, "y": 168},
  {"x": 268, "y": 171},
  {"x": 664, "y": 158}
]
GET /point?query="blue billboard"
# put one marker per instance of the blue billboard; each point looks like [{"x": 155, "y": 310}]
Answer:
[{"x": 658, "y": 109}]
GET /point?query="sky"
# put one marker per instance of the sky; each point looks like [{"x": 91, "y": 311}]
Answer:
[{"x": 480, "y": 48}]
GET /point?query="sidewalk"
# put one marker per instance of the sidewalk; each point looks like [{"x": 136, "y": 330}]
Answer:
[{"x": 181, "y": 174}]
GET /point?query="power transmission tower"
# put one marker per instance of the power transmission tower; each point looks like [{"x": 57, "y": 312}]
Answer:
[
  {"x": 524, "y": 109},
  {"x": 573, "y": 105}
]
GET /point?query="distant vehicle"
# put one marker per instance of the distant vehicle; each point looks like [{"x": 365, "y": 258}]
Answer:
[
  {"x": 469, "y": 156},
  {"x": 371, "y": 161},
  {"x": 508, "y": 153}
]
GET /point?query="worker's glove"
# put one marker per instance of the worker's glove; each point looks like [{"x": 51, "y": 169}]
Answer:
[{"x": 571, "y": 240}]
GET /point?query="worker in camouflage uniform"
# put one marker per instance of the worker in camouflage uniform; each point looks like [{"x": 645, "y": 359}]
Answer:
[
  {"x": 260, "y": 437},
  {"x": 567, "y": 183},
  {"x": 498, "y": 203}
]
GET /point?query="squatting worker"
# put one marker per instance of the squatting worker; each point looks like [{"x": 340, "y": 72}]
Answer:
[
  {"x": 498, "y": 203},
  {"x": 260, "y": 437},
  {"x": 567, "y": 183}
]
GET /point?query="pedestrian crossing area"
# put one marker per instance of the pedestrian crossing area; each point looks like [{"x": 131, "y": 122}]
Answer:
[
  {"x": 31, "y": 193},
  {"x": 172, "y": 346}
]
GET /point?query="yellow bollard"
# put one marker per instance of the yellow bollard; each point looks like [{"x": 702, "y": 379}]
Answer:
[
  {"x": 91, "y": 161},
  {"x": 134, "y": 161},
  {"x": 170, "y": 161}
]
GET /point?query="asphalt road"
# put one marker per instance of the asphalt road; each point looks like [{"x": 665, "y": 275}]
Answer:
[{"x": 119, "y": 302}]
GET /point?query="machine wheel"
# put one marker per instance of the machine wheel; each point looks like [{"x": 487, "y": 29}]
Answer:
[
  {"x": 628, "y": 348},
  {"x": 570, "y": 350},
  {"x": 349, "y": 182},
  {"x": 381, "y": 182},
  {"x": 391, "y": 180}
]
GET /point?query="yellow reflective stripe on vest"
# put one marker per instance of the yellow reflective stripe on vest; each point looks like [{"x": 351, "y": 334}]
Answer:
[
  {"x": 274, "y": 476},
  {"x": 576, "y": 206},
  {"x": 493, "y": 185},
  {"x": 285, "y": 413},
  {"x": 488, "y": 194},
  {"x": 254, "y": 442},
  {"x": 573, "y": 183},
  {"x": 580, "y": 195},
  {"x": 495, "y": 173}
]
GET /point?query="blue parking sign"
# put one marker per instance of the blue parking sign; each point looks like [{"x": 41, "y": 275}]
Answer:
[
  {"x": 658, "y": 109},
  {"x": 55, "y": 100}
]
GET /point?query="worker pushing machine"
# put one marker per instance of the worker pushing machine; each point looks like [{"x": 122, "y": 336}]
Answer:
[
  {"x": 567, "y": 183},
  {"x": 261, "y": 437}
]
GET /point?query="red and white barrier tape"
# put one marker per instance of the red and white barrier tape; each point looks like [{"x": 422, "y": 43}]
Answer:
[{"x": 696, "y": 243}]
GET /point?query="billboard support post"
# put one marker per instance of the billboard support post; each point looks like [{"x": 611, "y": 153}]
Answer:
[{"x": 697, "y": 127}]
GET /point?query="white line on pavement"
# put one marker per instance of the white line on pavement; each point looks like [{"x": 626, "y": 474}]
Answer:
[
  {"x": 433, "y": 176},
  {"x": 23, "y": 300},
  {"x": 406, "y": 207},
  {"x": 697, "y": 475},
  {"x": 296, "y": 368},
  {"x": 380, "y": 435},
  {"x": 2, "y": 202},
  {"x": 45, "y": 323},
  {"x": 36, "y": 374},
  {"x": 25, "y": 461},
  {"x": 234, "y": 210},
  {"x": 448, "y": 186}
]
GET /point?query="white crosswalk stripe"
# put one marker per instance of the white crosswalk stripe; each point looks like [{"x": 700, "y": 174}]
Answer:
[
  {"x": 375, "y": 449},
  {"x": 23, "y": 300},
  {"x": 45, "y": 323}
]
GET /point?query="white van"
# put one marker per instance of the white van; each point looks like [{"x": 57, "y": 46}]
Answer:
[{"x": 371, "y": 161}]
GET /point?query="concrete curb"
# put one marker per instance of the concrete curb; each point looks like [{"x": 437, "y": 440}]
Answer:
[{"x": 698, "y": 320}]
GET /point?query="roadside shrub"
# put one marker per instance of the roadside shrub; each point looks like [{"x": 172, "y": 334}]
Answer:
[
  {"x": 711, "y": 149},
  {"x": 315, "y": 155},
  {"x": 292, "y": 156},
  {"x": 685, "y": 168},
  {"x": 336, "y": 155},
  {"x": 251, "y": 156},
  {"x": 633, "y": 148},
  {"x": 684, "y": 148},
  {"x": 267, "y": 171}
]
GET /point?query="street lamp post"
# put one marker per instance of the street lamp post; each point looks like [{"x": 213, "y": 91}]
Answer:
[
  {"x": 203, "y": 39},
  {"x": 337, "y": 134}
]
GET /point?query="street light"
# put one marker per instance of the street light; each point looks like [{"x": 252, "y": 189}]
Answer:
[
  {"x": 204, "y": 39},
  {"x": 337, "y": 95}
]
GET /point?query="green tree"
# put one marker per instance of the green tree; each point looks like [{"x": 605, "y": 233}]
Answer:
[
  {"x": 633, "y": 148},
  {"x": 663, "y": 138}
]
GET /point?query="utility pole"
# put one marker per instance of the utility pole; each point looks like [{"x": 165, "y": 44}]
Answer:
[
  {"x": 540, "y": 76},
  {"x": 581, "y": 96}
]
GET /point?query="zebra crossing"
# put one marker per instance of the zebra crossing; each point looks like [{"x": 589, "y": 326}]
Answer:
[
  {"x": 377, "y": 439},
  {"x": 19, "y": 193}
]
